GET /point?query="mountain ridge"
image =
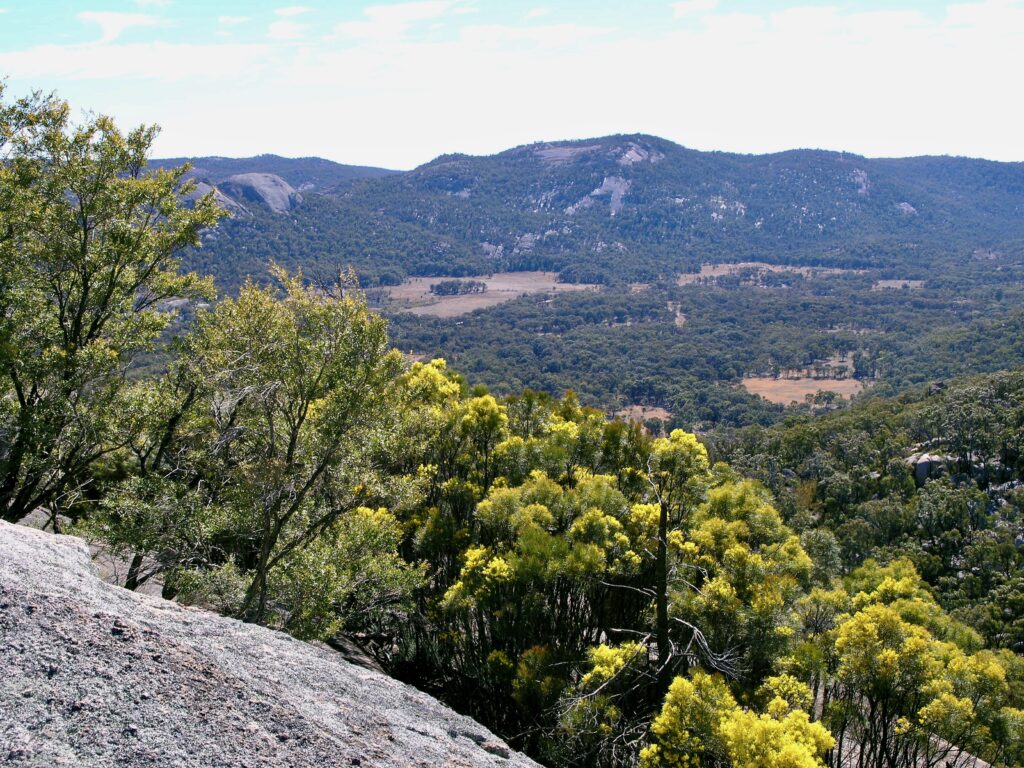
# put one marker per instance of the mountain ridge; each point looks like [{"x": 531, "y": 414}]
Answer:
[
  {"x": 633, "y": 207},
  {"x": 309, "y": 172}
]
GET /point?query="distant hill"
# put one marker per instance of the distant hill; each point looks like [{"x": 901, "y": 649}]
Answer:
[
  {"x": 623, "y": 208},
  {"x": 638, "y": 207},
  {"x": 303, "y": 173}
]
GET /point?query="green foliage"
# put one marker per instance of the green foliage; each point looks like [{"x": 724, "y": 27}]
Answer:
[
  {"x": 897, "y": 689},
  {"x": 87, "y": 256},
  {"x": 349, "y": 579},
  {"x": 687, "y": 730},
  {"x": 852, "y": 473},
  {"x": 268, "y": 437},
  {"x": 702, "y": 725},
  {"x": 787, "y": 741},
  {"x": 294, "y": 395},
  {"x": 458, "y": 287}
]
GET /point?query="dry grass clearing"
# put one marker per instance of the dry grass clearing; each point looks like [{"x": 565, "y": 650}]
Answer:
[
  {"x": 786, "y": 391},
  {"x": 885, "y": 285},
  {"x": 642, "y": 413},
  {"x": 414, "y": 295},
  {"x": 710, "y": 271}
]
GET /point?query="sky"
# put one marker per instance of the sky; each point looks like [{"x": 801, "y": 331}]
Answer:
[{"x": 395, "y": 84}]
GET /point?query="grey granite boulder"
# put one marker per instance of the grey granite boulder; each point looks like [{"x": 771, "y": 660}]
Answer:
[
  {"x": 264, "y": 188},
  {"x": 95, "y": 675}
]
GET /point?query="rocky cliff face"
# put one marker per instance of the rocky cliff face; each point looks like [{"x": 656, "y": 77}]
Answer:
[{"x": 94, "y": 675}]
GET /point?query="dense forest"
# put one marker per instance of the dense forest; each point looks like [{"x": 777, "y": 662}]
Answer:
[
  {"x": 829, "y": 589},
  {"x": 617, "y": 347},
  {"x": 932, "y": 476}
]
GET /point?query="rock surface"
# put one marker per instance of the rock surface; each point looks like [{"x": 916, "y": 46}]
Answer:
[
  {"x": 94, "y": 675},
  {"x": 266, "y": 188},
  {"x": 233, "y": 207}
]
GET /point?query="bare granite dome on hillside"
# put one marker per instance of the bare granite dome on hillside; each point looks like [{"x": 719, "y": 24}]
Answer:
[
  {"x": 266, "y": 188},
  {"x": 231, "y": 206},
  {"x": 95, "y": 675}
]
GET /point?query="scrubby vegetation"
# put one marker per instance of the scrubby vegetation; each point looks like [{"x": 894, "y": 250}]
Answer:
[
  {"x": 599, "y": 595},
  {"x": 933, "y": 476}
]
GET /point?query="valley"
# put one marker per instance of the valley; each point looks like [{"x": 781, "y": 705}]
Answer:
[{"x": 712, "y": 269}]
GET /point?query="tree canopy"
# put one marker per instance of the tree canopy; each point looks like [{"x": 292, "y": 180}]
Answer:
[{"x": 87, "y": 258}]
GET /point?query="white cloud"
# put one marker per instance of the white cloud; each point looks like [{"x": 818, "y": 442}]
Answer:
[
  {"x": 549, "y": 37},
  {"x": 392, "y": 22},
  {"x": 537, "y": 13},
  {"x": 292, "y": 10},
  {"x": 232, "y": 21},
  {"x": 163, "y": 62},
  {"x": 886, "y": 82},
  {"x": 112, "y": 24},
  {"x": 686, "y": 8},
  {"x": 880, "y": 82},
  {"x": 286, "y": 30}
]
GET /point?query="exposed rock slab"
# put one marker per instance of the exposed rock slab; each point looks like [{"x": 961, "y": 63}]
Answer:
[
  {"x": 231, "y": 206},
  {"x": 94, "y": 675},
  {"x": 615, "y": 187},
  {"x": 265, "y": 188},
  {"x": 557, "y": 155}
]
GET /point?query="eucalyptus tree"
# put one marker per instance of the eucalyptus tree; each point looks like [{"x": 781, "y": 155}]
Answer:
[
  {"x": 298, "y": 396},
  {"x": 88, "y": 239}
]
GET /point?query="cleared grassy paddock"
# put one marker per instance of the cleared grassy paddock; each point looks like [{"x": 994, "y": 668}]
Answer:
[
  {"x": 414, "y": 294},
  {"x": 786, "y": 391}
]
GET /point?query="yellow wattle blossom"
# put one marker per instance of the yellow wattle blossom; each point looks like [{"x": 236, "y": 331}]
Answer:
[
  {"x": 498, "y": 570},
  {"x": 607, "y": 661}
]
